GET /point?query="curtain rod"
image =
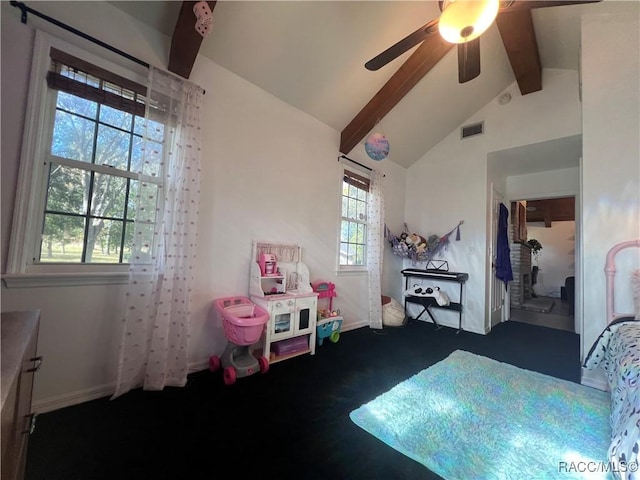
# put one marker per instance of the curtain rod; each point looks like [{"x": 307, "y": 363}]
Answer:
[
  {"x": 357, "y": 163},
  {"x": 24, "y": 9}
]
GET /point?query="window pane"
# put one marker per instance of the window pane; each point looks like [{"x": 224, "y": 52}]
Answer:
[
  {"x": 352, "y": 209},
  {"x": 361, "y": 215},
  {"x": 359, "y": 233},
  {"x": 152, "y": 157},
  {"x": 344, "y": 231},
  {"x": 79, "y": 76},
  {"x": 73, "y": 104},
  {"x": 106, "y": 238},
  {"x": 108, "y": 196},
  {"x": 145, "y": 234},
  {"x": 72, "y": 137},
  {"x": 116, "y": 118},
  {"x": 118, "y": 90},
  {"x": 112, "y": 148},
  {"x": 62, "y": 238},
  {"x": 68, "y": 189},
  {"x": 350, "y": 236},
  {"x": 128, "y": 242},
  {"x": 154, "y": 132},
  {"x": 147, "y": 201},
  {"x": 136, "y": 155},
  {"x": 359, "y": 255},
  {"x": 351, "y": 259}
]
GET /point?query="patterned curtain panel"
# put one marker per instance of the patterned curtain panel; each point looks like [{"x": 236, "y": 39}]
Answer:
[
  {"x": 375, "y": 243},
  {"x": 153, "y": 351}
]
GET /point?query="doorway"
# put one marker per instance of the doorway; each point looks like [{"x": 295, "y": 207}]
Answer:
[{"x": 544, "y": 260}]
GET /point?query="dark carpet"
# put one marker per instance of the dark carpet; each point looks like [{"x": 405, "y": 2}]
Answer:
[{"x": 290, "y": 423}]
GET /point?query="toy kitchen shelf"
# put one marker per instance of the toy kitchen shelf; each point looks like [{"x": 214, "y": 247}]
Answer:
[
  {"x": 279, "y": 283},
  {"x": 430, "y": 302}
]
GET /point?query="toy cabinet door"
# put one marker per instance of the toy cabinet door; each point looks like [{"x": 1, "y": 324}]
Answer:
[{"x": 306, "y": 314}]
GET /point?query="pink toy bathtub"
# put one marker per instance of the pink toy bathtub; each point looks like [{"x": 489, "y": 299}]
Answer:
[{"x": 242, "y": 320}]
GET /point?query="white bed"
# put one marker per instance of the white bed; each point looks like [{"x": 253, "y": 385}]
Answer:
[{"x": 617, "y": 352}]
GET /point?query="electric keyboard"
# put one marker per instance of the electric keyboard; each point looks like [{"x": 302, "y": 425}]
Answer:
[{"x": 436, "y": 274}]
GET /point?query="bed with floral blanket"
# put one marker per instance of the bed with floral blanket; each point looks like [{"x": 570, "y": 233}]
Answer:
[{"x": 617, "y": 352}]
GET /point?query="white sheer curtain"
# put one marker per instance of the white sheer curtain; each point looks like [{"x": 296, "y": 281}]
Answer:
[
  {"x": 375, "y": 244},
  {"x": 153, "y": 351}
]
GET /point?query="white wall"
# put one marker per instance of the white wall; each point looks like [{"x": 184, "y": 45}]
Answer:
[
  {"x": 450, "y": 182},
  {"x": 270, "y": 172},
  {"x": 563, "y": 182},
  {"x": 557, "y": 257},
  {"x": 611, "y": 159}
]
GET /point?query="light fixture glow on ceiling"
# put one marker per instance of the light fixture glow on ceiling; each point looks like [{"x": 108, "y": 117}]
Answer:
[{"x": 465, "y": 20}]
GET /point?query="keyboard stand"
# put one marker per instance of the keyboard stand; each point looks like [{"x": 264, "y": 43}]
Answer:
[{"x": 430, "y": 302}]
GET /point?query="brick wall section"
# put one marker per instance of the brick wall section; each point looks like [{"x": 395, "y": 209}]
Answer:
[{"x": 520, "y": 287}]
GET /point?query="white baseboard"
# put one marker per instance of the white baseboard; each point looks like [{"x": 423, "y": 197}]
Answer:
[
  {"x": 354, "y": 326},
  {"x": 73, "y": 398},
  {"x": 594, "y": 379},
  {"x": 57, "y": 402},
  {"x": 93, "y": 393}
]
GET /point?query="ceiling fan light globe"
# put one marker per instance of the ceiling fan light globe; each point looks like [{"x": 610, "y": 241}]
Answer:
[{"x": 464, "y": 20}]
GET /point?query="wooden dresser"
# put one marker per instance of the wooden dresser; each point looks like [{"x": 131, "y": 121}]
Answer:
[{"x": 19, "y": 363}]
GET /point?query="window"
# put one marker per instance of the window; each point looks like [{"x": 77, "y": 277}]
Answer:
[
  {"x": 95, "y": 133},
  {"x": 84, "y": 154},
  {"x": 353, "y": 227}
]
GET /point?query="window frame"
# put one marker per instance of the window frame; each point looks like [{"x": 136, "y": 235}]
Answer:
[
  {"x": 350, "y": 269},
  {"x": 31, "y": 191}
]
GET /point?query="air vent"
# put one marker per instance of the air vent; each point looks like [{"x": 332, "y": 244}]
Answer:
[{"x": 472, "y": 130}]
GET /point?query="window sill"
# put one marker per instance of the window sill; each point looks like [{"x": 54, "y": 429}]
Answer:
[
  {"x": 351, "y": 273},
  {"x": 29, "y": 280}
]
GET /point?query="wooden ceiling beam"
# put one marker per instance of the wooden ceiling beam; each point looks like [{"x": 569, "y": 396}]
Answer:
[
  {"x": 547, "y": 215},
  {"x": 515, "y": 24},
  {"x": 519, "y": 38},
  {"x": 425, "y": 57},
  {"x": 186, "y": 41}
]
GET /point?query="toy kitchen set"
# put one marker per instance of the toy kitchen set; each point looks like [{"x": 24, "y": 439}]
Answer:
[{"x": 279, "y": 283}]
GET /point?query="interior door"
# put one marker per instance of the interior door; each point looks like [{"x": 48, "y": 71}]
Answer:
[{"x": 496, "y": 286}]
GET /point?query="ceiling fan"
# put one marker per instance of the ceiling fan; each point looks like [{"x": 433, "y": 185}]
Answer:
[{"x": 462, "y": 22}]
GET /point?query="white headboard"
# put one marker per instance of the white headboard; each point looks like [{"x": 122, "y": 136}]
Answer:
[{"x": 610, "y": 272}]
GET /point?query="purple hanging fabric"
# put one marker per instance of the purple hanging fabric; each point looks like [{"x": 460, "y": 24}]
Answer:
[{"x": 503, "y": 252}]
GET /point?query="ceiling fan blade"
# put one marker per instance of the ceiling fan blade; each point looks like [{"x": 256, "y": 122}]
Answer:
[
  {"x": 513, "y": 5},
  {"x": 408, "y": 42},
  {"x": 419, "y": 64},
  {"x": 468, "y": 60}
]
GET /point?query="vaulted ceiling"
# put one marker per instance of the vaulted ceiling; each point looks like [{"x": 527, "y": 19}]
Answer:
[{"x": 311, "y": 54}]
